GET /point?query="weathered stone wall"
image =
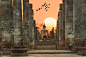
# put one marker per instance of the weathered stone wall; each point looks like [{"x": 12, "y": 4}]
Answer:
[
  {"x": 17, "y": 16},
  {"x": 14, "y": 27},
  {"x": 60, "y": 24},
  {"x": 57, "y": 31},
  {"x": 35, "y": 34},
  {"x": 69, "y": 20},
  {"x": 7, "y": 19},
  {"x": 25, "y": 25},
  {"x": 83, "y": 19},
  {"x": 33, "y": 31},
  {"x": 30, "y": 20},
  {"x": 79, "y": 16},
  {"x": 63, "y": 24}
]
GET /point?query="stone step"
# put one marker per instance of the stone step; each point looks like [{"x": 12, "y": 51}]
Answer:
[
  {"x": 48, "y": 42},
  {"x": 49, "y": 52},
  {"x": 46, "y": 47}
]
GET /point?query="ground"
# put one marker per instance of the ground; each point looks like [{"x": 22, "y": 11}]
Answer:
[
  {"x": 56, "y": 53},
  {"x": 47, "y": 55}
]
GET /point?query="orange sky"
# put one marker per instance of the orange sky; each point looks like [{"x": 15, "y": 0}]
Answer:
[{"x": 42, "y": 14}]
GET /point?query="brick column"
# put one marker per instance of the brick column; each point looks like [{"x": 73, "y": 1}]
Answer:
[
  {"x": 57, "y": 31},
  {"x": 30, "y": 20},
  {"x": 78, "y": 21},
  {"x": 60, "y": 24},
  {"x": 83, "y": 19},
  {"x": 25, "y": 24},
  {"x": 69, "y": 20},
  {"x": 63, "y": 25},
  {"x": 7, "y": 19},
  {"x": 17, "y": 16}
]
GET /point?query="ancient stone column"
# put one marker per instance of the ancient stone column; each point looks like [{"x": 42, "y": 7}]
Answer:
[
  {"x": 57, "y": 31},
  {"x": 17, "y": 16},
  {"x": 83, "y": 19},
  {"x": 0, "y": 3},
  {"x": 69, "y": 20},
  {"x": 35, "y": 37},
  {"x": 1, "y": 11},
  {"x": 78, "y": 21},
  {"x": 63, "y": 24},
  {"x": 60, "y": 24},
  {"x": 30, "y": 20},
  {"x": 7, "y": 19},
  {"x": 33, "y": 32},
  {"x": 37, "y": 34},
  {"x": 25, "y": 24}
]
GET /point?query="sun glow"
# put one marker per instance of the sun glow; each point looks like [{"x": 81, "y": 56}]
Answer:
[{"x": 50, "y": 22}]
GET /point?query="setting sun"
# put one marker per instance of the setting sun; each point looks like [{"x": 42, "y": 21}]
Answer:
[{"x": 50, "y": 22}]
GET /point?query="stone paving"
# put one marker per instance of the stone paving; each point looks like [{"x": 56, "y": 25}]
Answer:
[
  {"x": 47, "y": 55},
  {"x": 43, "y": 54}
]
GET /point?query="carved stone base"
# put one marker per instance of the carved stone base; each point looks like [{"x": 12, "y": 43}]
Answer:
[
  {"x": 81, "y": 53},
  {"x": 19, "y": 54},
  {"x": 19, "y": 51}
]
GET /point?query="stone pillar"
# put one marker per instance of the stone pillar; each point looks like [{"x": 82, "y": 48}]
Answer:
[
  {"x": 63, "y": 25},
  {"x": 83, "y": 19},
  {"x": 2, "y": 13},
  {"x": 2, "y": 19},
  {"x": 7, "y": 19},
  {"x": 37, "y": 35},
  {"x": 0, "y": 3},
  {"x": 78, "y": 21},
  {"x": 30, "y": 20},
  {"x": 25, "y": 24},
  {"x": 34, "y": 34},
  {"x": 33, "y": 31},
  {"x": 3, "y": 8},
  {"x": 69, "y": 20},
  {"x": 60, "y": 24},
  {"x": 17, "y": 16},
  {"x": 57, "y": 31}
]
